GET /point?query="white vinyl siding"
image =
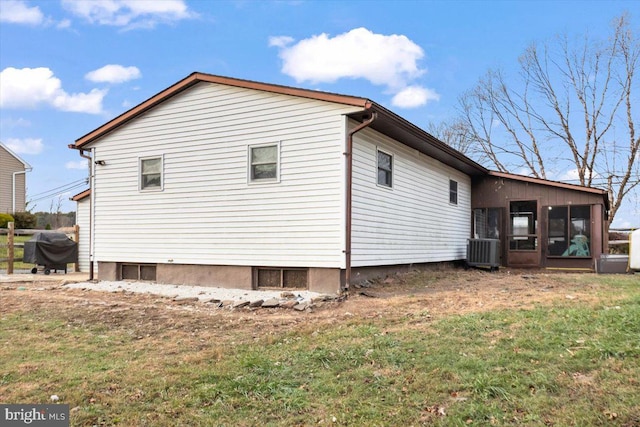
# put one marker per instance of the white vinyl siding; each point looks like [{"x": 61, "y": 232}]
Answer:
[
  {"x": 207, "y": 212},
  {"x": 82, "y": 219},
  {"x": 413, "y": 222}
]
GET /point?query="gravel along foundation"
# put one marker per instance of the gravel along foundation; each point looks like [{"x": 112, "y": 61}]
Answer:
[{"x": 224, "y": 297}]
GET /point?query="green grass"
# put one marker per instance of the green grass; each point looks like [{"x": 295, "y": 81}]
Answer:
[
  {"x": 567, "y": 364},
  {"x": 18, "y": 252}
]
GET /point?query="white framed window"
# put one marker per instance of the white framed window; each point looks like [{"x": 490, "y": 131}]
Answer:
[
  {"x": 385, "y": 169},
  {"x": 453, "y": 192},
  {"x": 151, "y": 173},
  {"x": 264, "y": 163}
]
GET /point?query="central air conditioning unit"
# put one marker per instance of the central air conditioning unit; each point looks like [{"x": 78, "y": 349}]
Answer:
[{"x": 484, "y": 253}]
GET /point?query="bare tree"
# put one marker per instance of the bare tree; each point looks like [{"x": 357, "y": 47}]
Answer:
[
  {"x": 455, "y": 133},
  {"x": 570, "y": 109}
]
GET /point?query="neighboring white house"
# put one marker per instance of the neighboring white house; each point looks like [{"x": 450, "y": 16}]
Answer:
[
  {"x": 227, "y": 182},
  {"x": 13, "y": 179}
]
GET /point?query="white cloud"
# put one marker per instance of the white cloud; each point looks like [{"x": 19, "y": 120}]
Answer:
[
  {"x": 387, "y": 60},
  {"x": 30, "y": 87},
  {"x": 65, "y": 23},
  {"x": 17, "y": 12},
  {"x": 280, "y": 41},
  {"x": 573, "y": 176},
  {"x": 129, "y": 13},
  {"x": 570, "y": 175},
  {"x": 381, "y": 59},
  {"x": 414, "y": 96},
  {"x": 78, "y": 164},
  {"x": 25, "y": 146},
  {"x": 113, "y": 73}
]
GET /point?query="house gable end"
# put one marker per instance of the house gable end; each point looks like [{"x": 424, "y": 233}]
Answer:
[{"x": 196, "y": 78}]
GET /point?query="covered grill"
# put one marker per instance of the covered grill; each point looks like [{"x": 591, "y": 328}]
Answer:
[{"x": 51, "y": 250}]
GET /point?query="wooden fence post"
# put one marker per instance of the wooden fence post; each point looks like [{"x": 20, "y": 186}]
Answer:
[
  {"x": 76, "y": 238},
  {"x": 10, "y": 251}
]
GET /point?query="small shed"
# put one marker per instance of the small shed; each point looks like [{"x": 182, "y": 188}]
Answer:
[{"x": 541, "y": 223}]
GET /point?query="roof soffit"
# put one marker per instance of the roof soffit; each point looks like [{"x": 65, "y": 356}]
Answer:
[{"x": 401, "y": 130}]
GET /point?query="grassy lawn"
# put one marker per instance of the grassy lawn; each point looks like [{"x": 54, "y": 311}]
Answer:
[
  {"x": 565, "y": 362},
  {"x": 18, "y": 252}
]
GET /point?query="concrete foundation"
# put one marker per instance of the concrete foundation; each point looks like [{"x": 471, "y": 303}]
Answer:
[
  {"x": 322, "y": 280},
  {"x": 222, "y": 276},
  {"x": 108, "y": 271}
]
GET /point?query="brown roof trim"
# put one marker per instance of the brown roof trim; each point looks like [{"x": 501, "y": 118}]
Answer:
[
  {"x": 415, "y": 137},
  {"x": 197, "y": 77},
  {"x": 86, "y": 193},
  {"x": 549, "y": 183}
]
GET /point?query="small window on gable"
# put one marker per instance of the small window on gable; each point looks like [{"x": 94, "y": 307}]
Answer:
[
  {"x": 385, "y": 169},
  {"x": 151, "y": 173},
  {"x": 453, "y": 192},
  {"x": 263, "y": 163}
]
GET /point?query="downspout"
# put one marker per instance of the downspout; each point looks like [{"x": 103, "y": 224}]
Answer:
[
  {"x": 27, "y": 169},
  {"x": 91, "y": 195},
  {"x": 349, "y": 202}
]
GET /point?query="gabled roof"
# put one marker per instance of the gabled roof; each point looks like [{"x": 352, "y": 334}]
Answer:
[
  {"x": 26, "y": 165},
  {"x": 195, "y": 78},
  {"x": 386, "y": 122}
]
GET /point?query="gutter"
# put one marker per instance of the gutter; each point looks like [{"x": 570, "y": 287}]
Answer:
[
  {"x": 82, "y": 152},
  {"x": 349, "y": 202},
  {"x": 13, "y": 183}
]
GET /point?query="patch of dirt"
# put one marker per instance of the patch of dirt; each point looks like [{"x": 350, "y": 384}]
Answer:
[{"x": 425, "y": 296}]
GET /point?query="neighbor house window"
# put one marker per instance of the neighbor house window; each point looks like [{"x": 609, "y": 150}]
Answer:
[
  {"x": 569, "y": 231},
  {"x": 385, "y": 169},
  {"x": 263, "y": 162},
  {"x": 453, "y": 192},
  {"x": 151, "y": 173}
]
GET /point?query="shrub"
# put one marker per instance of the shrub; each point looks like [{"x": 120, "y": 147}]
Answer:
[
  {"x": 5, "y": 219},
  {"x": 25, "y": 220}
]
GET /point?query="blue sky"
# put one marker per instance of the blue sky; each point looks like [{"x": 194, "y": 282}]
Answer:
[{"x": 69, "y": 66}]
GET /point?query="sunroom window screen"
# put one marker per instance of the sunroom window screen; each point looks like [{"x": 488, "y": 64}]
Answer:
[
  {"x": 523, "y": 225},
  {"x": 569, "y": 231}
]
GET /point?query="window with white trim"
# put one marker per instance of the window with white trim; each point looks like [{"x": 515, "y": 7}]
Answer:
[
  {"x": 385, "y": 169},
  {"x": 453, "y": 192},
  {"x": 151, "y": 173},
  {"x": 263, "y": 162}
]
